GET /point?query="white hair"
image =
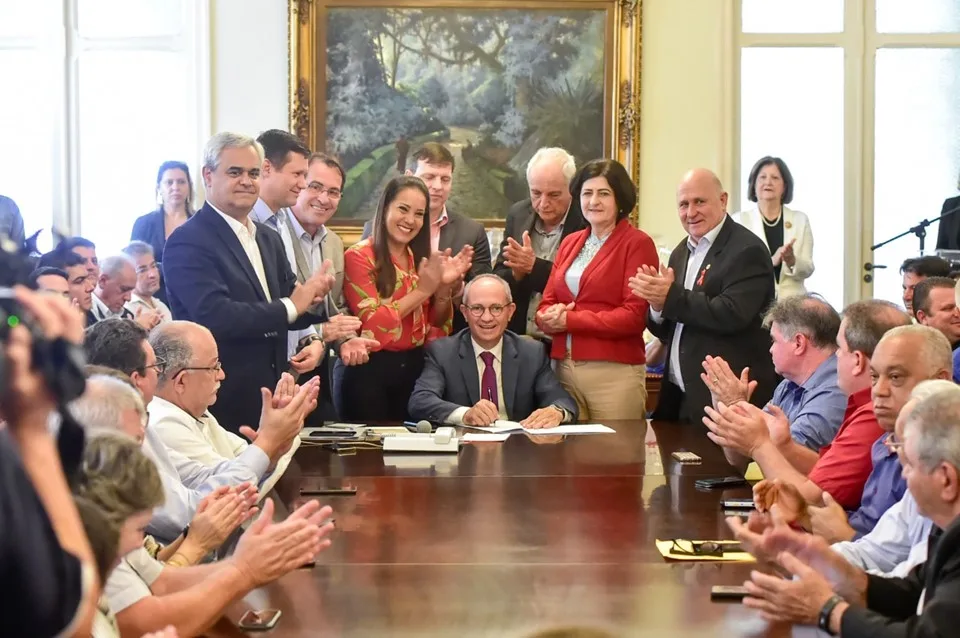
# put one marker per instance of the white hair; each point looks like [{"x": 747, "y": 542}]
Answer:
[
  {"x": 220, "y": 142},
  {"x": 934, "y": 428},
  {"x": 503, "y": 282},
  {"x": 559, "y": 156},
  {"x": 103, "y": 403},
  {"x": 935, "y": 351},
  {"x": 112, "y": 265},
  {"x": 931, "y": 387}
]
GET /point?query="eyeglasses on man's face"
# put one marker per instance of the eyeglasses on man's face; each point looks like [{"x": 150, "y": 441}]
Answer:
[
  {"x": 893, "y": 442},
  {"x": 216, "y": 367},
  {"x": 477, "y": 310},
  {"x": 160, "y": 365},
  {"x": 316, "y": 188}
]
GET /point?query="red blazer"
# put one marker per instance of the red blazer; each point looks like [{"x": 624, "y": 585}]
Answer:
[{"x": 608, "y": 320}]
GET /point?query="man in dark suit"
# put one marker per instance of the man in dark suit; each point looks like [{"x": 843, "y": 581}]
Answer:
[
  {"x": 534, "y": 230},
  {"x": 487, "y": 373},
  {"x": 227, "y": 273},
  {"x": 434, "y": 163},
  {"x": 709, "y": 301}
]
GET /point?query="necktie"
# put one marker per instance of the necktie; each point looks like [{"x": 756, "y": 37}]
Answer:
[{"x": 488, "y": 385}]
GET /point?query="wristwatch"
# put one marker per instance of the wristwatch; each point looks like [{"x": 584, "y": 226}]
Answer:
[
  {"x": 186, "y": 530},
  {"x": 824, "y": 621}
]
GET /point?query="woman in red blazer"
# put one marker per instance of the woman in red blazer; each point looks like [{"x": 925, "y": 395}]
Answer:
[{"x": 596, "y": 323}]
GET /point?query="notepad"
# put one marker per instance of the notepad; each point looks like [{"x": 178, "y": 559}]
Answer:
[
  {"x": 481, "y": 437},
  {"x": 665, "y": 547},
  {"x": 501, "y": 427}
]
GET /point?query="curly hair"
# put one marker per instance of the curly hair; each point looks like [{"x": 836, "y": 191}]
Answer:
[{"x": 118, "y": 477}]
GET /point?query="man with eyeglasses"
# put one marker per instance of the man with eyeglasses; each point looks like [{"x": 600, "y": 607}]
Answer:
[
  {"x": 486, "y": 373},
  {"x": 143, "y": 304}
]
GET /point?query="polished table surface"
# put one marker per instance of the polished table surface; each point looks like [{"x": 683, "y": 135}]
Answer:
[{"x": 508, "y": 538}]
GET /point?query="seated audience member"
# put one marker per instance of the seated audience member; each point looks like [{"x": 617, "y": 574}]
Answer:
[
  {"x": 79, "y": 283},
  {"x": 843, "y": 466},
  {"x": 904, "y": 356},
  {"x": 118, "y": 278},
  {"x": 711, "y": 297},
  {"x": 915, "y": 270},
  {"x": 827, "y": 591},
  {"x": 175, "y": 189},
  {"x": 188, "y": 385},
  {"x": 534, "y": 229},
  {"x": 48, "y": 570},
  {"x": 87, "y": 251},
  {"x": 144, "y": 301},
  {"x": 486, "y": 372},
  {"x": 51, "y": 281},
  {"x": 402, "y": 294},
  {"x": 595, "y": 322},
  {"x": 144, "y": 594},
  {"x": 804, "y": 331}
]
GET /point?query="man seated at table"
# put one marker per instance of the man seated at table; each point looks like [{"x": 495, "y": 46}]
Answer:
[
  {"x": 804, "y": 332},
  {"x": 841, "y": 599},
  {"x": 187, "y": 386},
  {"x": 485, "y": 372}
]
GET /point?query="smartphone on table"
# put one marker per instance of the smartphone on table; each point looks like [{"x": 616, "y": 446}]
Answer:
[{"x": 260, "y": 620}]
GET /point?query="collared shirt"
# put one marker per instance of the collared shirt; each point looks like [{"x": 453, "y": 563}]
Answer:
[
  {"x": 815, "y": 409},
  {"x": 698, "y": 253},
  {"x": 130, "y": 582},
  {"x": 247, "y": 234},
  {"x": 100, "y": 310},
  {"x": 204, "y": 440},
  {"x": 312, "y": 247},
  {"x": 545, "y": 244},
  {"x": 885, "y": 487},
  {"x": 435, "y": 229},
  {"x": 456, "y": 417},
  {"x": 897, "y": 544},
  {"x": 956, "y": 365},
  {"x": 263, "y": 214},
  {"x": 844, "y": 464},
  {"x": 186, "y": 482},
  {"x": 137, "y": 303}
]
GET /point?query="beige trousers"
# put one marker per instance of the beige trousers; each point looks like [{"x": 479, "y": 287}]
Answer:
[{"x": 604, "y": 390}]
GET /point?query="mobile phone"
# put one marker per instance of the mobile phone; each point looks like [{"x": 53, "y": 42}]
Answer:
[
  {"x": 328, "y": 491},
  {"x": 737, "y": 504},
  {"x": 686, "y": 458},
  {"x": 727, "y": 592},
  {"x": 714, "y": 483},
  {"x": 260, "y": 620},
  {"x": 334, "y": 434}
]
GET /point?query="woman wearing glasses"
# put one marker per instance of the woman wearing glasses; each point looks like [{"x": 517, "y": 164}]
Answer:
[
  {"x": 175, "y": 191},
  {"x": 402, "y": 294},
  {"x": 596, "y": 323}
]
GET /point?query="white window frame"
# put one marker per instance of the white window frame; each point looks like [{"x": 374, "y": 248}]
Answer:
[{"x": 860, "y": 42}]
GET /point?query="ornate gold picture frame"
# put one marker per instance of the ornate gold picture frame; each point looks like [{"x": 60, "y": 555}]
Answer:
[{"x": 492, "y": 79}]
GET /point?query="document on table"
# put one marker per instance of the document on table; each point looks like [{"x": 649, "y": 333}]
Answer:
[
  {"x": 501, "y": 427},
  {"x": 480, "y": 437}
]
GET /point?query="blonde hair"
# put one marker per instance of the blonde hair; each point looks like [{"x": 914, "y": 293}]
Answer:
[{"x": 118, "y": 477}]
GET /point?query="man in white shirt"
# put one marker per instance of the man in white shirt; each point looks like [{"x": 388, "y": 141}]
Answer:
[
  {"x": 188, "y": 386},
  {"x": 142, "y": 302},
  {"x": 118, "y": 278}
]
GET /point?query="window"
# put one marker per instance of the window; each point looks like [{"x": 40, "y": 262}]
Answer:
[
  {"x": 861, "y": 99},
  {"x": 108, "y": 90}
]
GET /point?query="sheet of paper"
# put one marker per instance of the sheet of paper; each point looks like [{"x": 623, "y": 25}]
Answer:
[
  {"x": 582, "y": 428},
  {"x": 478, "y": 437}
]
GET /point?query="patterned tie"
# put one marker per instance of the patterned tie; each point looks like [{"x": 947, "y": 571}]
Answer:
[{"x": 488, "y": 385}]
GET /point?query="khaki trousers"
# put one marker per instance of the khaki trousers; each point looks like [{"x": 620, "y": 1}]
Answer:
[{"x": 605, "y": 390}]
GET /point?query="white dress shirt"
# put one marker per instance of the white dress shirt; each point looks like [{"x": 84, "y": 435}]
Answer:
[
  {"x": 186, "y": 482},
  {"x": 697, "y": 254},
  {"x": 456, "y": 417},
  {"x": 137, "y": 303},
  {"x": 204, "y": 440},
  {"x": 101, "y": 311}
]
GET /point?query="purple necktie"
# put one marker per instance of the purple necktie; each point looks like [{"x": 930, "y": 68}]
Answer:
[{"x": 488, "y": 385}]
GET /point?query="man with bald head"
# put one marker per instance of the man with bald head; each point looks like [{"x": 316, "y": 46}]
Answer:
[
  {"x": 709, "y": 300},
  {"x": 533, "y": 232}
]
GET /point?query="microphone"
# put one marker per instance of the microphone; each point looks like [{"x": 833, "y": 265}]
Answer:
[{"x": 424, "y": 427}]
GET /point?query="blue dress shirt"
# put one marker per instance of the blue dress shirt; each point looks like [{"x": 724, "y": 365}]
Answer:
[
  {"x": 956, "y": 365},
  {"x": 884, "y": 487},
  {"x": 816, "y": 408}
]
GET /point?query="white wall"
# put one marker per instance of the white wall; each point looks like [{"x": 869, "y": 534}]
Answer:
[{"x": 684, "y": 89}]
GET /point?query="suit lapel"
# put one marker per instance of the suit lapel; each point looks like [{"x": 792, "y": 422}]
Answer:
[
  {"x": 789, "y": 226},
  {"x": 509, "y": 372},
  {"x": 756, "y": 225},
  {"x": 231, "y": 242},
  {"x": 713, "y": 253},
  {"x": 468, "y": 367},
  {"x": 603, "y": 254},
  {"x": 447, "y": 234}
]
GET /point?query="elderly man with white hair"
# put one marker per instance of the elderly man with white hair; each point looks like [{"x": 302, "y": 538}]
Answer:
[
  {"x": 118, "y": 278},
  {"x": 534, "y": 229}
]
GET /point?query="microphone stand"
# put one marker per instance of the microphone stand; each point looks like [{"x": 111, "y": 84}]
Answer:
[{"x": 920, "y": 230}]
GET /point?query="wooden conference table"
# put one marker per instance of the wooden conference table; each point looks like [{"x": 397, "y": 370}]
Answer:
[{"x": 508, "y": 538}]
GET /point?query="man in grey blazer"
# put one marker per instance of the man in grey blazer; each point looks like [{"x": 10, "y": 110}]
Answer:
[{"x": 486, "y": 373}]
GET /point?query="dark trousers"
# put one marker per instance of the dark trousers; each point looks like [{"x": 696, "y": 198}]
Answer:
[{"x": 379, "y": 389}]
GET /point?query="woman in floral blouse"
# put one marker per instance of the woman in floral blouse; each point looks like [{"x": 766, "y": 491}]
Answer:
[{"x": 402, "y": 295}]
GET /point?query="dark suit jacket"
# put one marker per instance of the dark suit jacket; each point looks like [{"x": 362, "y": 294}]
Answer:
[
  {"x": 149, "y": 228},
  {"x": 450, "y": 379},
  {"x": 722, "y": 316},
  {"x": 948, "y": 237},
  {"x": 211, "y": 281},
  {"x": 892, "y": 602},
  {"x": 521, "y": 217}
]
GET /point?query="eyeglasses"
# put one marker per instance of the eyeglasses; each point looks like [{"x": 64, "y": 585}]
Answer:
[
  {"x": 217, "y": 367},
  {"x": 477, "y": 310},
  {"x": 160, "y": 365},
  {"x": 318, "y": 189},
  {"x": 703, "y": 548},
  {"x": 893, "y": 442}
]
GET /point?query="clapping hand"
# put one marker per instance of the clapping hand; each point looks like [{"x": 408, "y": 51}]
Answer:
[
  {"x": 785, "y": 255},
  {"x": 723, "y": 383},
  {"x": 652, "y": 285},
  {"x": 519, "y": 258},
  {"x": 148, "y": 319},
  {"x": 553, "y": 320}
]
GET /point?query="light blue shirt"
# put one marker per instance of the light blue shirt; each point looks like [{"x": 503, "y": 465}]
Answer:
[
  {"x": 186, "y": 482},
  {"x": 897, "y": 544},
  {"x": 816, "y": 408},
  {"x": 698, "y": 253}
]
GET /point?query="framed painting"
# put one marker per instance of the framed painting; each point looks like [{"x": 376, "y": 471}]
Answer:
[{"x": 493, "y": 80}]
